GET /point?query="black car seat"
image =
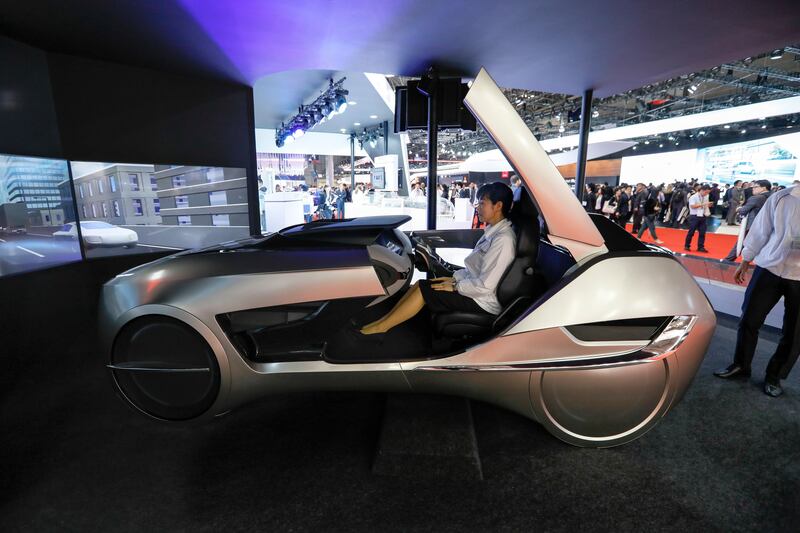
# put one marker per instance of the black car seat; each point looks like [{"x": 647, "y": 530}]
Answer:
[{"x": 519, "y": 286}]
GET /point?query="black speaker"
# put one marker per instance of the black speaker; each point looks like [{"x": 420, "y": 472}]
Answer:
[
  {"x": 400, "y": 104},
  {"x": 411, "y": 106}
]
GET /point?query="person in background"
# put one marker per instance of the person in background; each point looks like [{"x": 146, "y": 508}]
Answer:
[
  {"x": 750, "y": 210},
  {"x": 627, "y": 196},
  {"x": 699, "y": 211},
  {"x": 637, "y": 206},
  {"x": 747, "y": 187},
  {"x": 651, "y": 209},
  {"x": 516, "y": 186},
  {"x": 590, "y": 198},
  {"x": 734, "y": 198},
  {"x": 773, "y": 244},
  {"x": 713, "y": 197},
  {"x": 615, "y": 207},
  {"x": 340, "y": 197},
  {"x": 473, "y": 189},
  {"x": 677, "y": 204}
]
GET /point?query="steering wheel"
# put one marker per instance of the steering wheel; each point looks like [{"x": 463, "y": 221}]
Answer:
[{"x": 427, "y": 260}]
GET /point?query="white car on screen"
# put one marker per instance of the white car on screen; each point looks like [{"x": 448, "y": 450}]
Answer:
[{"x": 98, "y": 233}]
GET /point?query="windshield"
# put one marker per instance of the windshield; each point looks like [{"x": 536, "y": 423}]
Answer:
[{"x": 96, "y": 225}]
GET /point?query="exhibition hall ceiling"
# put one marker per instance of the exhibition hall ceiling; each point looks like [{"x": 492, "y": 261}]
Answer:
[
  {"x": 546, "y": 45},
  {"x": 765, "y": 77}
]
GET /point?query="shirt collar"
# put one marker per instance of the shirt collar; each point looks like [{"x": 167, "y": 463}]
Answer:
[{"x": 491, "y": 229}]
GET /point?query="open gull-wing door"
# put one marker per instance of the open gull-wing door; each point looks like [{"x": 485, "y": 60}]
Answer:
[{"x": 568, "y": 224}]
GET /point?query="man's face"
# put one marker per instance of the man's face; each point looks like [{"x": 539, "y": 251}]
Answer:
[{"x": 704, "y": 192}]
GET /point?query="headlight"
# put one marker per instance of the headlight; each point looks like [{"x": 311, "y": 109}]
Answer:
[{"x": 670, "y": 338}]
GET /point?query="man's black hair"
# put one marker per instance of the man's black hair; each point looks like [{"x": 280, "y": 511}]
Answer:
[
  {"x": 497, "y": 192},
  {"x": 765, "y": 183}
]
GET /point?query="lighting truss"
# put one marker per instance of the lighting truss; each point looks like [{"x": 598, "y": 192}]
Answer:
[{"x": 331, "y": 102}]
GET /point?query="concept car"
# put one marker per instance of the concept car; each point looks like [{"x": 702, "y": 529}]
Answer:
[{"x": 599, "y": 335}]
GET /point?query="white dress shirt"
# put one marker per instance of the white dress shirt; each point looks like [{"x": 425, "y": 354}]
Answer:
[
  {"x": 698, "y": 199},
  {"x": 486, "y": 265},
  {"x": 773, "y": 241}
]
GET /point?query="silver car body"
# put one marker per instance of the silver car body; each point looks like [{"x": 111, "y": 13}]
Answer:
[{"x": 596, "y": 392}]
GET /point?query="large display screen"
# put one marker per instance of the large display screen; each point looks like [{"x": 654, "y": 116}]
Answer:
[
  {"x": 135, "y": 208},
  {"x": 35, "y": 202},
  {"x": 771, "y": 158}
]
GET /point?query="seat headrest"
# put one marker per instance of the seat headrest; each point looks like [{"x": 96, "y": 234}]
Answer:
[{"x": 525, "y": 219}]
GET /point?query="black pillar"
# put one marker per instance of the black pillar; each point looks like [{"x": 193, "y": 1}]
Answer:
[
  {"x": 352, "y": 161},
  {"x": 254, "y": 215},
  {"x": 583, "y": 143},
  {"x": 385, "y": 137},
  {"x": 429, "y": 86}
]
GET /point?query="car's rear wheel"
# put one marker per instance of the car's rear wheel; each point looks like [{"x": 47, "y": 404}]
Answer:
[{"x": 165, "y": 368}]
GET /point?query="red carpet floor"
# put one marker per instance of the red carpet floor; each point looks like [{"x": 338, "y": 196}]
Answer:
[{"x": 718, "y": 246}]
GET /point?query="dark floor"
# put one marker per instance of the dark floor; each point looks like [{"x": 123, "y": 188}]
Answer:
[{"x": 73, "y": 458}]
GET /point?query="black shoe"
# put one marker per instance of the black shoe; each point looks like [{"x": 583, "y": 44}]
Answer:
[
  {"x": 687, "y": 248},
  {"x": 732, "y": 371},
  {"x": 772, "y": 388},
  {"x": 702, "y": 250}
]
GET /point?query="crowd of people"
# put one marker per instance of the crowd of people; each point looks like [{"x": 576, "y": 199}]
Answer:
[{"x": 683, "y": 204}]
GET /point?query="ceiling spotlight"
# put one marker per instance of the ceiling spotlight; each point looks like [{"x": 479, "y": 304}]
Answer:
[
  {"x": 647, "y": 142},
  {"x": 373, "y": 116},
  {"x": 351, "y": 102},
  {"x": 701, "y": 132},
  {"x": 743, "y": 131},
  {"x": 776, "y": 54},
  {"x": 634, "y": 148},
  {"x": 320, "y": 110},
  {"x": 661, "y": 146},
  {"x": 727, "y": 126},
  {"x": 763, "y": 126},
  {"x": 356, "y": 123},
  {"x": 595, "y": 113}
]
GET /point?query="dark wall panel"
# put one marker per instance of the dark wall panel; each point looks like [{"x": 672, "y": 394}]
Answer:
[
  {"x": 28, "y": 123},
  {"x": 112, "y": 112}
]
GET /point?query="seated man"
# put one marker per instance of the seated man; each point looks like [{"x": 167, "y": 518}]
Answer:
[{"x": 474, "y": 287}]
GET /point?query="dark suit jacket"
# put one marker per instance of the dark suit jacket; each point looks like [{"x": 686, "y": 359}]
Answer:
[{"x": 752, "y": 206}]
